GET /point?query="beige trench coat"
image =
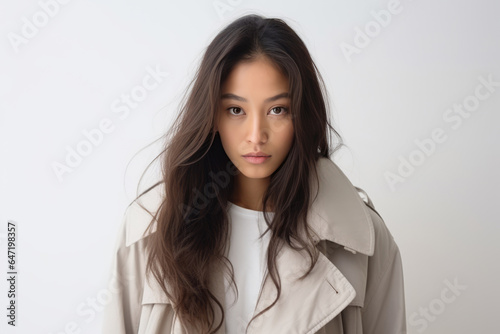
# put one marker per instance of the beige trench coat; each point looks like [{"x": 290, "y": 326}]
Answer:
[{"x": 356, "y": 286}]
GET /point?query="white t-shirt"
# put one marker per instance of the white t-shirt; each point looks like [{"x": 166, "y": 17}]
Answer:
[{"x": 248, "y": 256}]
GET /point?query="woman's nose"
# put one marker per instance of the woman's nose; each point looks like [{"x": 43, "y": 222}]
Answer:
[{"x": 257, "y": 128}]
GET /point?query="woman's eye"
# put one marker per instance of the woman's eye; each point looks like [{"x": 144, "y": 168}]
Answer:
[
  {"x": 237, "y": 110},
  {"x": 282, "y": 109},
  {"x": 232, "y": 108}
]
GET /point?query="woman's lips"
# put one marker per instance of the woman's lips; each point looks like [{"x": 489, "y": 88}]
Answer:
[{"x": 256, "y": 160}]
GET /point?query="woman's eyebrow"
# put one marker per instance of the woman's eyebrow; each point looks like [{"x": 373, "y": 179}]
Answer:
[{"x": 239, "y": 98}]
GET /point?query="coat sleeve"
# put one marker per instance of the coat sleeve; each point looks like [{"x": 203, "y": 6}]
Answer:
[
  {"x": 121, "y": 314},
  {"x": 384, "y": 308}
]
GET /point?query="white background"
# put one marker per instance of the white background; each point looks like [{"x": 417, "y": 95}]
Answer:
[{"x": 65, "y": 76}]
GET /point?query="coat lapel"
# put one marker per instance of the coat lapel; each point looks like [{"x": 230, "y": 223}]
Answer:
[
  {"x": 304, "y": 305},
  {"x": 338, "y": 214}
]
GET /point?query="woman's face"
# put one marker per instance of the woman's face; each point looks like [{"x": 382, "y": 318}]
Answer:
[{"x": 254, "y": 116}]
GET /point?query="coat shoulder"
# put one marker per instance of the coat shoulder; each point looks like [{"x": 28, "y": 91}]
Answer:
[
  {"x": 383, "y": 237},
  {"x": 385, "y": 245},
  {"x": 384, "y": 306}
]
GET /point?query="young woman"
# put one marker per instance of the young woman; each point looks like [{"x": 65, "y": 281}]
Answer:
[{"x": 253, "y": 228}]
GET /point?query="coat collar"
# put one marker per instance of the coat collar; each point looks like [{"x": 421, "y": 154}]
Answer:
[{"x": 337, "y": 214}]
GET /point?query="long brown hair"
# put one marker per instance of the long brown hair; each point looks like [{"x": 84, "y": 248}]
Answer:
[{"x": 197, "y": 177}]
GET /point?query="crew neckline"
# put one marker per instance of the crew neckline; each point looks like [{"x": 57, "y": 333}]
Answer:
[{"x": 245, "y": 211}]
